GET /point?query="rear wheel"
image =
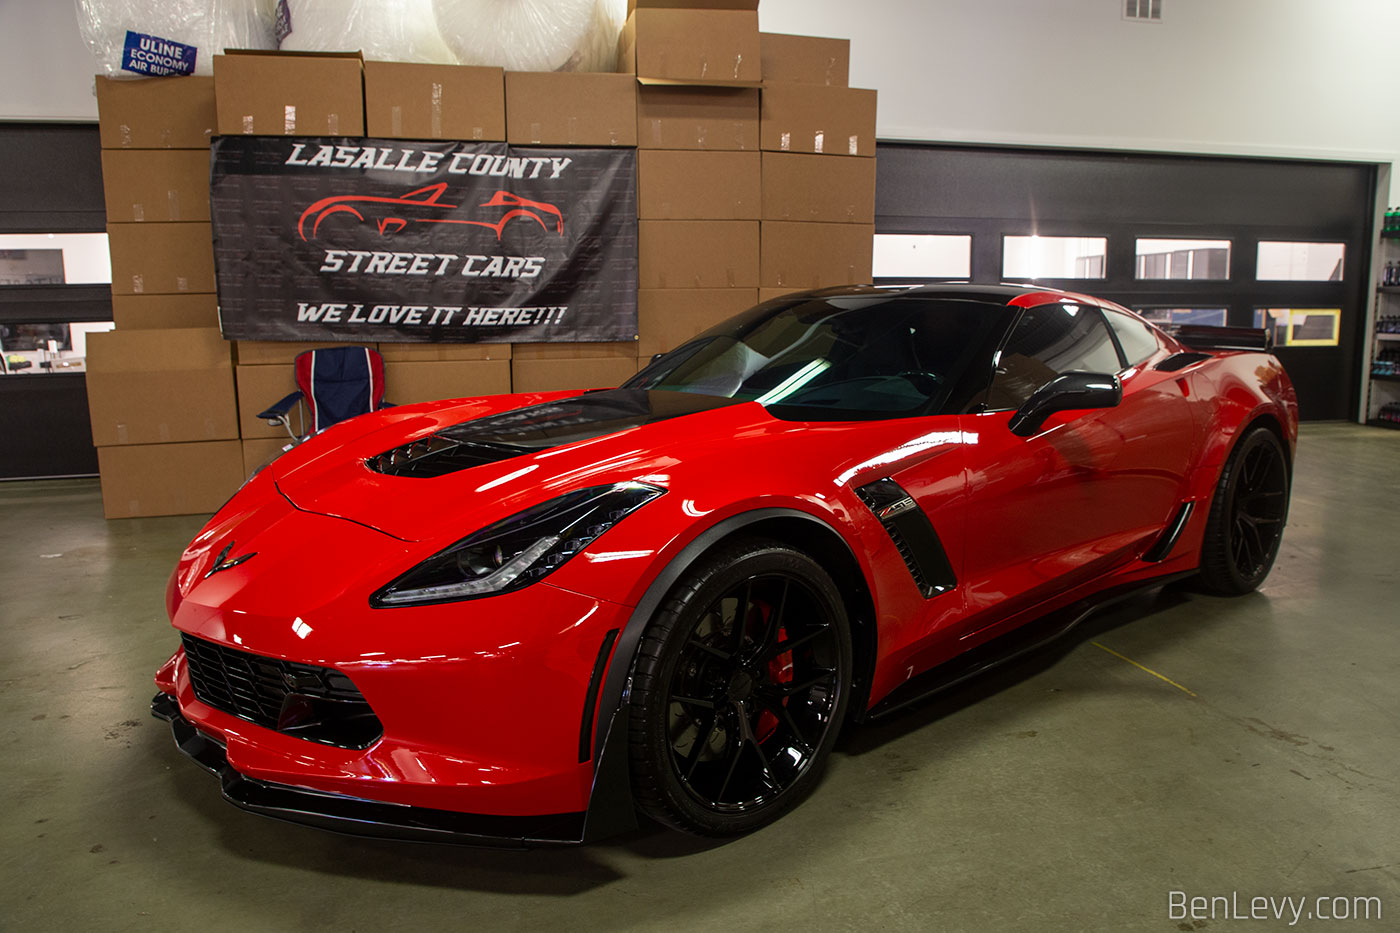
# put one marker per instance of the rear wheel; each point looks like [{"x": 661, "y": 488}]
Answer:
[
  {"x": 741, "y": 682},
  {"x": 1246, "y": 516}
]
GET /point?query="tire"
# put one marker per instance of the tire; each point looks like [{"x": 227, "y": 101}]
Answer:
[
  {"x": 1247, "y": 515},
  {"x": 724, "y": 741}
]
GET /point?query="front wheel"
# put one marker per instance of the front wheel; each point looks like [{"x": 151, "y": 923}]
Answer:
[
  {"x": 740, "y": 685},
  {"x": 1247, "y": 516}
]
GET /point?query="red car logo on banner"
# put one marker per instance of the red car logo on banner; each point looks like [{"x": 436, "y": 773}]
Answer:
[{"x": 385, "y": 211}]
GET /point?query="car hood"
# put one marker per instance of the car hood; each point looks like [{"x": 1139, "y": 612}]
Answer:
[{"x": 428, "y": 471}]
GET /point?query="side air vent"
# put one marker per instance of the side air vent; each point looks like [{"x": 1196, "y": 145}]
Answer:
[
  {"x": 1180, "y": 361},
  {"x": 912, "y": 534},
  {"x": 1162, "y": 547},
  {"x": 436, "y": 455}
]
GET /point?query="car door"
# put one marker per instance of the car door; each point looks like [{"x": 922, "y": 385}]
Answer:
[{"x": 1085, "y": 493}]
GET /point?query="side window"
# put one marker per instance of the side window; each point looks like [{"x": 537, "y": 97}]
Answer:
[
  {"x": 1136, "y": 338},
  {"x": 1050, "y": 340}
]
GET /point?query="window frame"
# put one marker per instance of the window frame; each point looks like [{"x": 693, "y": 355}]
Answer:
[{"x": 981, "y": 407}]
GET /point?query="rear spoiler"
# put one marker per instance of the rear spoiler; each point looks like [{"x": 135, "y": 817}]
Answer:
[{"x": 1205, "y": 337}]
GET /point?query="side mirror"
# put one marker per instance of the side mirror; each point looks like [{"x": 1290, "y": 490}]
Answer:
[{"x": 1070, "y": 392}]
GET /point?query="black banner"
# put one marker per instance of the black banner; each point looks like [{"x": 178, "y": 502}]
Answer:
[{"x": 396, "y": 240}]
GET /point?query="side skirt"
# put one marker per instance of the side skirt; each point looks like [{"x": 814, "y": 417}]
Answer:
[{"x": 1014, "y": 644}]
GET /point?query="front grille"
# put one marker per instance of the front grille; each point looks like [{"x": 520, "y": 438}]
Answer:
[{"x": 312, "y": 702}]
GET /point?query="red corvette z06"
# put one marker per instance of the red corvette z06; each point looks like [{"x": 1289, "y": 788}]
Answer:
[{"x": 525, "y": 619}]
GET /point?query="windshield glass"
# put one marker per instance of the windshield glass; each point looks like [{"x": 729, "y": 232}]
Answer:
[{"x": 842, "y": 358}]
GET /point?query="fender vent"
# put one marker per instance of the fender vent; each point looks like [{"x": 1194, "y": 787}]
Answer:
[{"x": 912, "y": 534}]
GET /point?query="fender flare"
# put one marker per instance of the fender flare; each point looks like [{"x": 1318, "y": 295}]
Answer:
[{"x": 610, "y": 806}]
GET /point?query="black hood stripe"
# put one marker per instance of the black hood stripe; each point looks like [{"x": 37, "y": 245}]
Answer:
[{"x": 539, "y": 427}]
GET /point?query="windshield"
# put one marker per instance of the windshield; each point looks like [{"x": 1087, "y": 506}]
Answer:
[{"x": 842, "y": 358}]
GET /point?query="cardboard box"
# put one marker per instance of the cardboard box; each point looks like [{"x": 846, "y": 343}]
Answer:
[
  {"x": 161, "y": 258},
  {"x": 828, "y": 189},
  {"x": 159, "y": 312},
  {"x": 697, "y": 118},
  {"x": 412, "y": 101},
  {"x": 289, "y": 94},
  {"x": 169, "y": 479},
  {"x": 160, "y": 387},
  {"x": 681, "y": 185},
  {"x": 799, "y": 256},
  {"x": 264, "y": 352},
  {"x": 429, "y": 381},
  {"x": 809, "y": 118},
  {"x": 155, "y": 113},
  {"x": 260, "y": 387},
  {"x": 574, "y": 351},
  {"x": 259, "y": 452},
  {"x": 804, "y": 59},
  {"x": 553, "y": 375},
  {"x": 697, "y": 254},
  {"x": 569, "y": 108},
  {"x": 445, "y": 352},
  {"x": 156, "y": 185},
  {"x": 692, "y": 46},
  {"x": 668, "y": 317}
]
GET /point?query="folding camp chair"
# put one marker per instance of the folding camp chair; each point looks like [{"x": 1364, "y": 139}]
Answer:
[{"x": 336, "y": 383}]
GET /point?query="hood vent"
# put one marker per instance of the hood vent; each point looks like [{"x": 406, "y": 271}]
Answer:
[{"x": 536, "y": 428}]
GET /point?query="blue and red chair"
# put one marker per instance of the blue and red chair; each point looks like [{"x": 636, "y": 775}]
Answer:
[{"x": 335, "y": 383}]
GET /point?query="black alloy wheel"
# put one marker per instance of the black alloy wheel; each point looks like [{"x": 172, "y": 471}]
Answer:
[
  {"x": 1247, "y": 515},
  {"x": 741, "y": 684}
]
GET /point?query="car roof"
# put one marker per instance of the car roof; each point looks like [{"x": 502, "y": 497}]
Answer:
[{"x": 1021, "y": 295}]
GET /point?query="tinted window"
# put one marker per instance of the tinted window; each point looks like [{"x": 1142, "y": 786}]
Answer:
[
  {"x": 1136, "y": 338},
  {"x": 1047, "y": 341},
  {"x": 841, "y": 358}
]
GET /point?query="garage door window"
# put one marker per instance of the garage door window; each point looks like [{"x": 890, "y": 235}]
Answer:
[
  {"x": 1047, "y": 341},
  {"x": 1053, "y": 257}
]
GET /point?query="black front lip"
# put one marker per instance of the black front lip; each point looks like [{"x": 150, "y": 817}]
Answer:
[{"x": 356, "y": 816}]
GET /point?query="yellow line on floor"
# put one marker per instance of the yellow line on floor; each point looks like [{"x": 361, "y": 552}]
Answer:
[{"x": 1141, "y": 668}]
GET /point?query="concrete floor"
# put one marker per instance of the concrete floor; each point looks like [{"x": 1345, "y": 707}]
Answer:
[{"x": 1072, "y": 791}]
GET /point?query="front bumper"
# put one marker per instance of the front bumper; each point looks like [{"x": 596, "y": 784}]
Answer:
[{"x": 356, "y": 816}]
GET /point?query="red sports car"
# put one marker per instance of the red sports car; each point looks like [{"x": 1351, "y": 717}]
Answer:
[{"x": 528, "y": 618}]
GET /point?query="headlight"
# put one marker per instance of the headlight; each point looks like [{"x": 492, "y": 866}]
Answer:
[{"x": 519, "y": 550}]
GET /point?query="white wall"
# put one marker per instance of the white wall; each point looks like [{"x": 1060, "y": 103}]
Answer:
[
  {"x": 1299, "y": 78},
  {"x": 1294, "y": 78},
  {"x": 45, "y": 68}
]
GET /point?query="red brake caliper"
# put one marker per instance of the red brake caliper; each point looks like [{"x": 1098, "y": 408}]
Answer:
[{"x": 779, "y": 672}]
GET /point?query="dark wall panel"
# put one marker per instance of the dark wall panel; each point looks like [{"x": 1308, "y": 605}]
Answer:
[{"x": 51, "y": 178}]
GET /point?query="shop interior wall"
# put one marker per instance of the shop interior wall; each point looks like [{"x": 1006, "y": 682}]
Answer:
[
  {"x": 1291, "y": 78},
  {"x": 989, "y": 193}
]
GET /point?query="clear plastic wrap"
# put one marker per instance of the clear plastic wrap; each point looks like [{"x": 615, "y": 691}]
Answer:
[
  {"x": 131, "y": 38},
  {"x": 384, "y": 30},
  {"x": 532, "y": 35}
]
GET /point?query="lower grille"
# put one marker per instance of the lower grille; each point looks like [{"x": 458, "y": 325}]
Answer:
[{"x": 311, "y": 702}]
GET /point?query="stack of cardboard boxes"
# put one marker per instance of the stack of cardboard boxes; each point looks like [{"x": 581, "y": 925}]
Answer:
[
  {"x": 756, "y": 178},
  {"x": 160, "y": 387},
  {"x": 568, "y": 109},
  {"x": 818, "y": 141},
  {"x": 756, "y": 174}
]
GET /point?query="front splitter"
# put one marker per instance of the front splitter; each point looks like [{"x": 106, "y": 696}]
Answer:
[{"x": 357, "y": 816}]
